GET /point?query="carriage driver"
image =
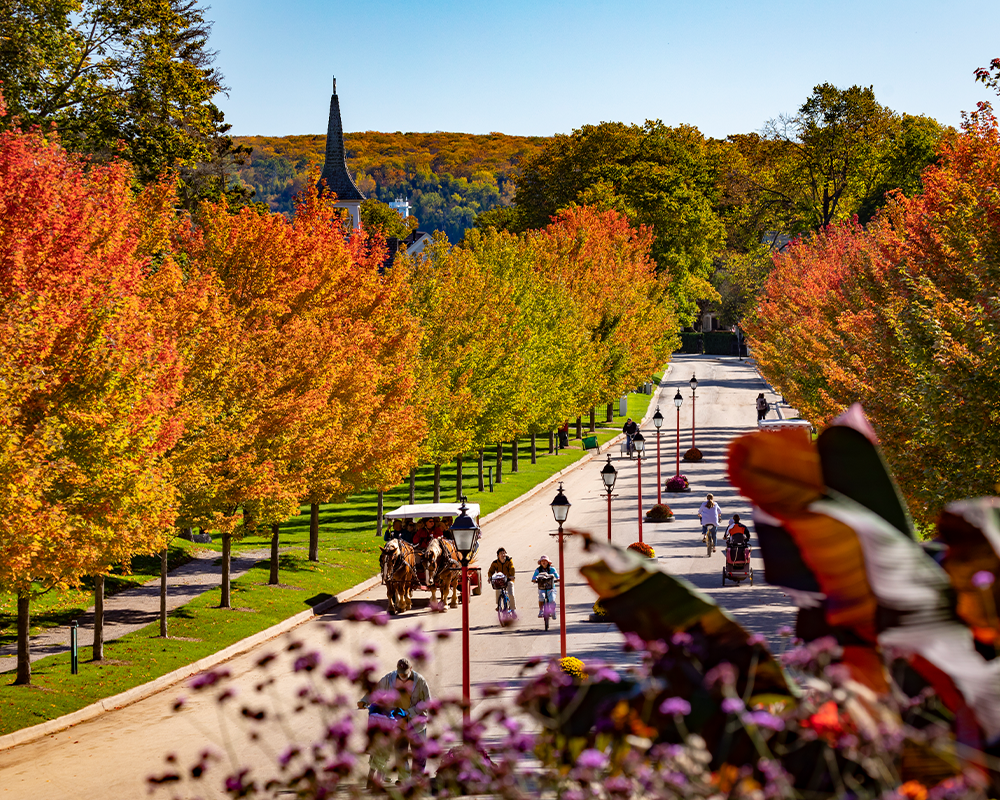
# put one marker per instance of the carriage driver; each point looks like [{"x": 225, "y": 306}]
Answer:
[{"x": 504, "y": 564}]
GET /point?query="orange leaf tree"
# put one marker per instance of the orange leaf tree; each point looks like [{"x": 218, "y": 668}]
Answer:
[{"x": 87, "y": 375}]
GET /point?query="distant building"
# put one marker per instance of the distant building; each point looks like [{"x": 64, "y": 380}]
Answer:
[
  {"x": 401, "y": 206},
  {"x": 338, "y": 180}
]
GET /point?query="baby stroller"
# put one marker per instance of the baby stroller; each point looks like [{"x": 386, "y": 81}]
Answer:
[{"x": 737, "y": 568}]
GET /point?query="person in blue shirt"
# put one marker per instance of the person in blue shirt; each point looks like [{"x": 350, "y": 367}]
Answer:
[{"x": 547, "y": 595}]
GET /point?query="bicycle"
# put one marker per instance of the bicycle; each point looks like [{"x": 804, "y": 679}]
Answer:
[
  {"x": 546, "y": 593},
  {"x": 505, "y": 614}
]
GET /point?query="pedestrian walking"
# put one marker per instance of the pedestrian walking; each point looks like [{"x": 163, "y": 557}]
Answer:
[
  {"x": 762, "y": 407},
  {"x": 409, "y": 710}
]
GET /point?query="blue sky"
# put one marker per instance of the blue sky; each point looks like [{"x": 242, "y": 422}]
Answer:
[{"x": 538, "y": 67}]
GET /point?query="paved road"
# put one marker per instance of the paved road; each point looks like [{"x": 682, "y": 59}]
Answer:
[{"x": 110, "y": 757}]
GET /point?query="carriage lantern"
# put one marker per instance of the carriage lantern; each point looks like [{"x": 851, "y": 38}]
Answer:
[{"x": 464, "y": 529}]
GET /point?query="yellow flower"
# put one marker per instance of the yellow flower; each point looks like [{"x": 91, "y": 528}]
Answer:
[{"x": 573, "y": 666}]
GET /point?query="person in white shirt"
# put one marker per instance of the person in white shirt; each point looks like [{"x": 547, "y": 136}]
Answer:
[{"x": 709, "y": 515}]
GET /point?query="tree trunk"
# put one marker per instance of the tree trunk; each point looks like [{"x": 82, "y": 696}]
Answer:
[
  {"x": 534, "y": 451},
  {"x": 552, "y": 443},
  {"x": 593, "y": 420},
  {"x": 379, "y": 511},
  {"x": 163, "y": 592},
  {"x": 458, "y": 479},
  {"x": 413, "y": 486},
  {"x": 499, "y": 463},
  {"x": 227, "y": 549},
  {"x": 314, "y": 531},
  {"x": 98, "y": 650},
  {"x": 482, "y": 481},
  {"x": 23, "y": 677},
  {"x": 437, "y": 483},
  {"x": 272, "y": 579},
  {"x": 579, "y": 427},
  {"x": 611, "y": 413},
  {"x": 513, "y": 456}
]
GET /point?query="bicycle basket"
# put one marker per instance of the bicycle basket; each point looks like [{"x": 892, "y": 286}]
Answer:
[
  {"x": 545, "y": 582},
  {"x": 499, "y": 580}
]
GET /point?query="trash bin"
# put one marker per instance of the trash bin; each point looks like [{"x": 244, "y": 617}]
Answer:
[
  {"x": 623, "y": 406},
  {"x": 590, "y": 443}
]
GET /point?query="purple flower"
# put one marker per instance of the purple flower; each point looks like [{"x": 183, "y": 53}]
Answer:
[
  {"x": 606, "y": 674},
  {"x": 681, "y": 639},
  {"x": 419, "y": 654},
  {"x": 723, "y": 674},
  {"x": 732, "y": 705},
  {"x": 592, "y": 759},
  {"x": 785, "y": 631},
  {"x": 285, "y": 758},
  {"x": 234, "y": 783},
  {"x": 206, "y": 679},
  {"x": 618, "y": 785},
  {"x": 755, "y": 638},
  {"x": 416, "y": 635},
  {"x": 763, "y": 719},
  {"x": 675, "y": 706},
  {"x": 307, "y": 663},
  {"x": 338, "y": 669},
  {"x": 983, "y": 579},
  {"x": 340, "y": 731}
]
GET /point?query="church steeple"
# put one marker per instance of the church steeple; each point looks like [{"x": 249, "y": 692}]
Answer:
[{"x": 335, "y": 173}]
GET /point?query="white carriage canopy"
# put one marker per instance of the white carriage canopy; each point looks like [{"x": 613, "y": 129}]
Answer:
[{"x": 433, "y": 510}]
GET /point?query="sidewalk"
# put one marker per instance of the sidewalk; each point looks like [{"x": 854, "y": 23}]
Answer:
[{"x": 132, "y": 609}]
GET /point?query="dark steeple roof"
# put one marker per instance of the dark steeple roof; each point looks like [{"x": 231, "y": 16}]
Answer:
[{"x": 335, "y": 173}]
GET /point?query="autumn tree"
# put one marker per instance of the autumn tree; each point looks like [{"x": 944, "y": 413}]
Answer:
[
  {"x": 87, "y": 376},
  {"x": 901, "y": 316},
  {"x": 653, "y": 175}
]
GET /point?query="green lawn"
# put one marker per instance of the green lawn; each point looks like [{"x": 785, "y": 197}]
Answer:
[{"x": 348, "y": 555}]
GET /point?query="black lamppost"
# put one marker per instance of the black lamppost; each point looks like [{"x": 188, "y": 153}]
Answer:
[
  {"x": 678, "y": 401},
  {"x": 639, "y": 443},
  {"x": 694, "y": 385},
  {"x": 465, "y": 530},
  {"x": 560, "y": 510},
  {"x": 609, "y": 475},
  {"x": 658, "y": 423}
]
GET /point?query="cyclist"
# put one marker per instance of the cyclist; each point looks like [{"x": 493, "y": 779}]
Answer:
[
  {"x": 709, "y": 515},
  {"x": 630, "y": 429},
  {"x": 545, "y": 567},
  {"x": 505, "y": 565}
]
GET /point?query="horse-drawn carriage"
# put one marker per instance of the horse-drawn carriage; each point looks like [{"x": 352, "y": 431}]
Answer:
[{"x": 434, "y": 568}]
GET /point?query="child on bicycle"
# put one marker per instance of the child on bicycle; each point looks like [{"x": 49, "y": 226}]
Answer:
[
  {"x": 505, "y": 565},
  {"x": 545, "y": 596}
]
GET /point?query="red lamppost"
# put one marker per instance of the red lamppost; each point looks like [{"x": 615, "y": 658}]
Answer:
[
  {"x": 678, "y": 401},
  {"x": 639, "y": 443},
  {"x": 465, "y": 531},
  {"x": 609, "y": 475},
  {"x": 560, "y": 510},
  {"x": 658, "y": 423},
  {"x": 694, "y": 385}
]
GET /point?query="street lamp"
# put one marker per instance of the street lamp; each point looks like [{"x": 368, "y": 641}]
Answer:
[
  {"x": 639, "y": 443},
  {"x": 658, "y": 423},
  {"x": 693, "y": 383},
  {"x": 465, "y": 530},
  {"x": 678, "y": 401},
  {"x": 560, "y": 510},
  {"x": 609, "y": 475}
]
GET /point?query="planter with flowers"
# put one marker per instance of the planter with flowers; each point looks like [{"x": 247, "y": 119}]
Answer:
[
  {"x": 693, "y": 454},
  {"x": 600, "y": 613},
  {"x": 573, "y": 667},
  {"x": 642, "y": 549},
  {"x": 660, "y": 513},
  {"x": 678, "y": 483}
]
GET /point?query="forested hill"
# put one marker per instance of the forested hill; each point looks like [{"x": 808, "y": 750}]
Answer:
[{"x": 448, "y": 178}]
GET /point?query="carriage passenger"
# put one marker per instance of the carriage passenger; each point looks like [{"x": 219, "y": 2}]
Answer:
[
  {"x": 395, "y": 531},
  {"x": 422, "y": 536},
  {"x": 409, "y": 530}
]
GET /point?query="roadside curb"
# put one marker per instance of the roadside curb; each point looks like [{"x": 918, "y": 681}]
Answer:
[
  {"x": 138, "y": 693},
  {"x": 181, "y": 674}
]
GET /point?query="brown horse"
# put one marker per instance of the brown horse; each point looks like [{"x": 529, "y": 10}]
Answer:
[
  {"x": 444, "y": 570},
  {"x": 399, "y": 573}
]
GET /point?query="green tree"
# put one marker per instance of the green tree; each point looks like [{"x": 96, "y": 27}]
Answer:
[
  {"x": 127, "y": 78},
  {"x": 377, "y": 217},
  {"x": 653, "y": 175}
]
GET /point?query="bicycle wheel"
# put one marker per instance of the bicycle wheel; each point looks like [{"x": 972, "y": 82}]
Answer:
[
  {"x": 503, "y": 607},
  {"x": 546, "y": 620}
]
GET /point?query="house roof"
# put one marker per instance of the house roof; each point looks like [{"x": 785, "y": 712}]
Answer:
[{"x": 335, "y": 173}]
